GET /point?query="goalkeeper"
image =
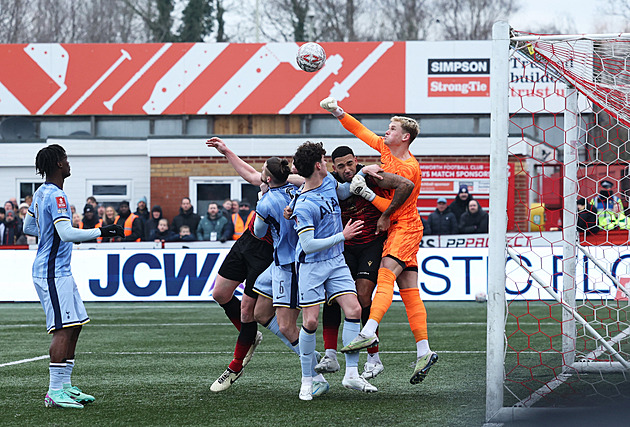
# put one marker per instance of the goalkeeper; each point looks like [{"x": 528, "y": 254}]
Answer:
[{"x": 399, "y": 263}]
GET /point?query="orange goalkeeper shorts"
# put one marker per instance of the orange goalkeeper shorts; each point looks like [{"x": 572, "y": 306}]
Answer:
[{"x": 403, "y": 242}]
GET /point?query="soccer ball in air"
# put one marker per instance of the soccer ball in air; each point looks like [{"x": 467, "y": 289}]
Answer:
[{"x": 311, "y": 57}]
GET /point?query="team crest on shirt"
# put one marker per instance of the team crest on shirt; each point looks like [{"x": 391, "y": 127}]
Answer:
[{"x": 61, "y": 204}]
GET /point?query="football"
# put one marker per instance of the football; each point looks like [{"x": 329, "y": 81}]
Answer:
[
  {"x": 311, "y": 57},
  {"x": 481, "y": 297}
]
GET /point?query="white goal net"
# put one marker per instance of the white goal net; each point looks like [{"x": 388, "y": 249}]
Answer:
[{"x": 558, "y": 315}]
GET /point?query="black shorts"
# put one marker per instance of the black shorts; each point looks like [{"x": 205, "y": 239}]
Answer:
[
  {"x": 365, "y": 260},
  {"x": 247, "y": 259}
]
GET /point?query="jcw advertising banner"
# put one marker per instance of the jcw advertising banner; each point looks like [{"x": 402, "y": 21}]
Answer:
[
  {"x": 189, "y": 275},
  {"x": 262, "y": 78}
]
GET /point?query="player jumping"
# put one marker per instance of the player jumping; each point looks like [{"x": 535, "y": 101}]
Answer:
[{"x": 399, "y": 263}]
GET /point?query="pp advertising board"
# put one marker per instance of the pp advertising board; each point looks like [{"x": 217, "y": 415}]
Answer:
[{"x": 189, "y": 275}]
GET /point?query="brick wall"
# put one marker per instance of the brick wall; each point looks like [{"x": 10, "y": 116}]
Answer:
[{"x": 169, "y": 178}]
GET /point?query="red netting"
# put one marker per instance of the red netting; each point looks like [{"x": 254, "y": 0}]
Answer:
[
  {"x": 547, "y": 347},
  {"x": 597, "y": 68}
]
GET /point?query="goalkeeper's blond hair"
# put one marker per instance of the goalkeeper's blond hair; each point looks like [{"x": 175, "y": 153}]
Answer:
[{"x": 408, "y": 125}]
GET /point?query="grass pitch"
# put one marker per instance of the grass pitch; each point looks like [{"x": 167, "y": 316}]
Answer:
[{"x": 153, "y": 363}]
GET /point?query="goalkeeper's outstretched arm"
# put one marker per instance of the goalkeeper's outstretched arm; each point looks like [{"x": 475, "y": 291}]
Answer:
[{"x": 351, "y": 124}]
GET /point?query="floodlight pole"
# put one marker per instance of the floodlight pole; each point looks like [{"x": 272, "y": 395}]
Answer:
[{"x": 499, "y": 87}]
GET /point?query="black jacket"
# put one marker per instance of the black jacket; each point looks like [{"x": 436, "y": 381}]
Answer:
[
  {"x": 442, "y": 223},
  {"x": 188, "y": 217},
  {"x": 458, "y": 206},
  {"x": 150, "y": 225},
  {"x": 167, "y": 236},
  {"x": 12, "y": 232},
  {"x": 474, "y": 223},
  {"x": 587, "y": 221}
]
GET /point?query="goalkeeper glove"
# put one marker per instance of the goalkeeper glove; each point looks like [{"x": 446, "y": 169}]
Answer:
[
  {"x": 330, "y": 104},
  {"x": 113, "y": 230},
  {"x": 360, "y": 188}
]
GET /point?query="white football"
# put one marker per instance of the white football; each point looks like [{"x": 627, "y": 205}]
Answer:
[
  {"x": 481, "y": 297},
  {"x": 311, "y": 57}
]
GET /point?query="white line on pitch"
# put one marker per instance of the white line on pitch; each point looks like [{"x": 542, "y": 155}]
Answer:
[
  {"x": 112, "y": 325},
  {"x": 17, "y": 362},
  {"x": 150, "y": 353}
]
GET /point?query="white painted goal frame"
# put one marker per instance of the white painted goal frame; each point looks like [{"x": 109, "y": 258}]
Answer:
[{"x": 499, "y": 251}]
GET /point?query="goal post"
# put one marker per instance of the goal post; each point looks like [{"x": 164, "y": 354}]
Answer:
[
  {"x": 499, "y": 120},
  {"x": 558, "y": 322}
]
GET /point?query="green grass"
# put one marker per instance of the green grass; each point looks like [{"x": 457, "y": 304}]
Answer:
[{"x": 153, "y": 363}]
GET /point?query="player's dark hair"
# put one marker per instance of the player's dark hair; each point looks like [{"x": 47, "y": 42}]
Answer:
[
  {"x": 341, "y": 151},
  {"x": 306, "y": 156},
  {"x": 47, "y": 159},
  {"x": 279, "y": 169}
]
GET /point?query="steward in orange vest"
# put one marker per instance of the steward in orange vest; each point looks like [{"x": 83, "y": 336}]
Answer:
[
  {"x": 134, "y": 228},
  {"x": 241, "y": 225}
]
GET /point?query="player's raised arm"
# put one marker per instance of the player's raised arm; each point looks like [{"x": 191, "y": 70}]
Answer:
[
  {"x": 245, "y": 170},
  {"x": 351, "y": 124}
]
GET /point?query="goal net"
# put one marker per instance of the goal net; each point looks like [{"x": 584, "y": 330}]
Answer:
[{"x": 558, "y": 315}]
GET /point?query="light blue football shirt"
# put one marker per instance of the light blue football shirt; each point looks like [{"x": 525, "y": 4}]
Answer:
[
  {"x": 318, "y": 210},
  {"x": 271, "y": 209},
  {"x": 50, "y": 205}
]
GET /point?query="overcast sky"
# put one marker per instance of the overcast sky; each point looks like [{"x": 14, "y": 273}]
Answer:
[
  {"x": 585, "y": 16},
  {"x": 569, "y": 16}
]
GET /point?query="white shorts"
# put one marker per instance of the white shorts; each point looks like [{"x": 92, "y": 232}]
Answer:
[
  {"x": 61, "y": 302},
  {"x": 278, "y": 283},
  {"x": 323, "y": 281}
]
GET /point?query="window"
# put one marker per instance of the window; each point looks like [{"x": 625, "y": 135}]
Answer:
[
  {"x": 122, "y": 128},
  {"x": 204, "y": 190},
  {"x": 109, "y": 192},
  {"x": 27, "y": 189}
]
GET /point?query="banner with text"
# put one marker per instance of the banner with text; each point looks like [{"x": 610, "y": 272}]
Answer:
[{"x": 189, "y": 275}]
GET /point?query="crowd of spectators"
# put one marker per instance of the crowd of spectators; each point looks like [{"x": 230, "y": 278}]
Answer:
[
  {"x": 220, "y": 223},
  {"x": 464, "y": 215}
]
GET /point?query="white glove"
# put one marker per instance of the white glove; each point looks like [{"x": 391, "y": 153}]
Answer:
[
  {"x": 330, "y": 104},
  {"x": 360, "y": 188}
]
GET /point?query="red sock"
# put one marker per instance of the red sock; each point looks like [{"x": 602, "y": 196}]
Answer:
[
  {"x": 245, "y": 339},
  {"x": 331, "y": 319}
]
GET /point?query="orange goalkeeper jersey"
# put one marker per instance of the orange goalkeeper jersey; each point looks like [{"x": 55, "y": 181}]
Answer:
[{"x": 409, "y": 168}]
